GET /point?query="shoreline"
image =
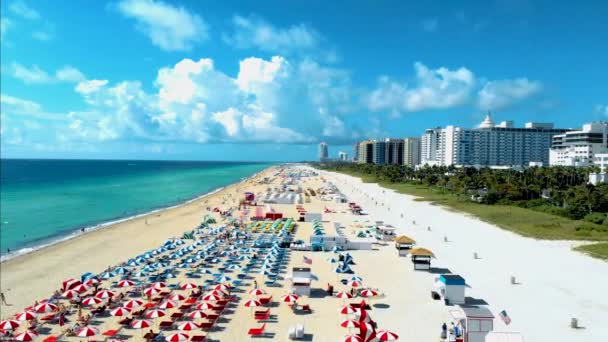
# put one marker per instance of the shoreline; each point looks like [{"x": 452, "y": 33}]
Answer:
[{"x": 84, "y": 230}]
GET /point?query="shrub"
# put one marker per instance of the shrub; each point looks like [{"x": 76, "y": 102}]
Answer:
[{"x": 597, "y": 218}]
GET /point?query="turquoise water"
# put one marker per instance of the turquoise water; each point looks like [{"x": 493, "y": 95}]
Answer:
[{"x": 44, "y": 200}]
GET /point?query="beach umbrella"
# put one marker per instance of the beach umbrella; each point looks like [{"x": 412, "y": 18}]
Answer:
[
  {"x": 368, "y": 293},
  {"x": 187, "y": 326},
  {"x": 26, "y": 336},
  {"x": 349, "y": 323},
  {"x": 26, "y": 316},
  {"x": 256, "y": 292},
  {"x": 251, "y": 303},
  {"x": 155, "y": 313},
  {"x": 159, "y": 285},
  {"x": 177, "y": 297},
  {"x": 205, "y": 306},
  {"x": 167, "y": 305},
  {"x": 140, "y": 274},
  {"x": 222, "y": 287},
  {"x": 82, "y": 287},
  {"x": 355, "y": 278},
  {"x": 188, "y": 286},
  {"x": 121, "y": 311},
  {"x": 9, "y": 324},
  {"x": 354, "y": 283},
  {"x": 45, "y": 307},
  {"x": 141, "y": 324},
  {"x": 134, "y": 303},
  {"x": 91, "y": 301},
  {"x": 385, "y": 335},
  {"x": 211, "y": 297},
  {"x": 107, "y": 275},
  {"x": 332, "y": 260},
  {"x": 125, "y": 283},
  {"x": 344, "y": 295},
  {"x": 121, "y": 270},
  {"x": 90, "y": 282},
  {"x": 223, "y": 278},
  {"x": 151, "y": 291},
  {"x": 87, "y": 332},
  {"x": 353, "y": 338},
  {"x": 290, "y": 298},
  {"x": 177, "y": 337},
  {"x": 347, "y": 310},
  {"x": 197, "y": 314},
  {"x": 104, "y": 294}
]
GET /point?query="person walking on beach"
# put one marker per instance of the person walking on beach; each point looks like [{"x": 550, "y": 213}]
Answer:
[{"x": 3, "y": 299}]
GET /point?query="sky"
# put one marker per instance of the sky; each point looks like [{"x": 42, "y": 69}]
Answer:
[{"x": 268, "y": 80}]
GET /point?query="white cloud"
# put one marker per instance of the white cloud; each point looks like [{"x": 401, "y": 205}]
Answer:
[
  {"x": 42, "y": 36},
  {"x": 255, "y": 32},
  {"x": 504, "y": 93},
  {"x": 170, "y": 28},
  {"x": 69, "y": 74},
  {"x": 29, "y": 75},
  {"x": 433, "y": 89},
  {"x": 430, "y": 25},
  {"x": 15, "y": 106},
  {"x": 90, "y": 86},
  {"x": 5, "y": 25},
  {"x": 21, "y": 9}
]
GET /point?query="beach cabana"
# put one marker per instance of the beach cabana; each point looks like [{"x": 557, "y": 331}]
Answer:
[
  {"x": 301, "y": 277},
  {"x": 385, "y": 233},
  {"x": 476, "y": 322},
  {"x": 421, "y": 258},
  {"x": 451, "y": 288},
  {"x": 404, "y": 244}
]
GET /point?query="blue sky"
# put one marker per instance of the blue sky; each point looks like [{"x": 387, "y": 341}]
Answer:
[{"x": 269, "y": 80}]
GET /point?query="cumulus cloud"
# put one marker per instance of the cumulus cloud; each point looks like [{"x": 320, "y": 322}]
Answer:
[
  {"x": 29, "y": 75},
  {"x": 254, "y": 32},
  {"x": 504, "y": 93},
  {"x": 272, "y": 100},
  {"x": 21, "y": 9},
  {"x": 432, "y": 89},
  {"x": 15, "y": 106},
  {"x": 69, "y": 74},
  {"x": 169, "y": 27}
]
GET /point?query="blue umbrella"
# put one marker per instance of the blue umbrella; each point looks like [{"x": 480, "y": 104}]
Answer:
[
  {"x": 121, "y": 270},
  {"x": 140, "y": 274},
  {"x": 107, "y": 275},
  {"x": 223, "y": 279}
]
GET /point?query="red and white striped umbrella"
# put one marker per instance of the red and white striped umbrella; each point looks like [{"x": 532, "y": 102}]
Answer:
[
  {"x": 26, "y": 336},
  {"x": 222, "y": 287},
  {"x": 167, "y": 305},
  {"x": 159, "y": 285},
  {"x": 26, "y": 316},
  {"x": 211, "y": 297},
  {"x": 347, "y": 310},
  {"x": 125, "y": 283},
  {"x": 197, "y": 314},
  {"x": 187, "y": 326},
  {"x": 344, "y": 295},
  {"x": 177, "y": 337},
  {"x": 349, "y": 323},
  {"x": 81, "y": 288},
  {"x": 152, "y": 291},
  {"x": 105, "y": 294},
  {"x": 70, "y": 294},
  {"x": 205, "y": 306},
  {"x": 9, "y": 324},
  {"x": 177, "y": 297},
  {"x": 353, "y": 338},
  {"x": 45, "y": 307},
  {"x": 188, "y": 286},
  {"x": 91, "y": 282},
  {"x": 155, "y": 313},
  {"x": 133, "y": 303},
  {"x": 218, "y": 293},
  {"x": 290, "y": 298},
  {"x": 385, "y": 335},
  {"x": 251, "y": 303},
  {"x": 122, "y": 311},
  {"x": 368, "y": 293},
  {"x": 256, "y": 292},
  {"x": 87, "y": 331},
  {"x": 141, "y": 324},
  {"x": 354, "y": 283},
  {"x": 91, "y": 301}
]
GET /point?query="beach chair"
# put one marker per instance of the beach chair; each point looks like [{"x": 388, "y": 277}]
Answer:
[
  {"x": 198, "y": 338},
  {"x": 257, "y": 331},
  {"x": 262, "y": 315},
  {"x": 265, "y": 300},
  {"x": 207, "y": 325},
  {"x": 165, "y": 325},
  {"x": 50, "y": 339}
]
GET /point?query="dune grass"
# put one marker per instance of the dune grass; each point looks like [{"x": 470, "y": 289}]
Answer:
[{"x": 526, "y": 222}]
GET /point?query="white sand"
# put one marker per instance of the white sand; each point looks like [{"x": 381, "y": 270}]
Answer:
[{"x": 556, "y": 283}]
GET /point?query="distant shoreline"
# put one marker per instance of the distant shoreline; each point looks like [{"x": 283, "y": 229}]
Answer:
[{"x": 80, "y": 231}]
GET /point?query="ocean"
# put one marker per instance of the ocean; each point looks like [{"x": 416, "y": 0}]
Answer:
[{"x": 44, "y": 201}]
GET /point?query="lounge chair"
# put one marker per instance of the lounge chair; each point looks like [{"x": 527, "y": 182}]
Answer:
[
  {"x": 257, "y": 331},
  {"x": 262, "y": 315},
  {"x": 265, "y": 300},
  {"x": 198, "y": 338},
  {"x": 165, "y": 325},
  {"x": 207, "y": 325}
]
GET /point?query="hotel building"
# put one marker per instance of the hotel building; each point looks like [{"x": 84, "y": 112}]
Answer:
[{"x": 579, "y": 148}]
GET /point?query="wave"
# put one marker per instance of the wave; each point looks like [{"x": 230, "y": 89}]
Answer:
[{"x": 85, "y": 230}]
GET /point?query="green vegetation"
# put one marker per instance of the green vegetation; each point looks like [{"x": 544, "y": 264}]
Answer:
[{"x": 543, "y": 203}]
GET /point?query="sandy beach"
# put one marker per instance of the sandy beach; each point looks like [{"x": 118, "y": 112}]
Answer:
[{"x": 554, "y": 283}]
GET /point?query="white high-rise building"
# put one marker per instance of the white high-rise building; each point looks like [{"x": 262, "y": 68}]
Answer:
[
  {"x": 411, "y": 151},
  {"x": 489, "y": 145},
  {"x": 323, "y": 151},
  {"x": 343, "y": 156},
  {"x": 579, "y": 148}
]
